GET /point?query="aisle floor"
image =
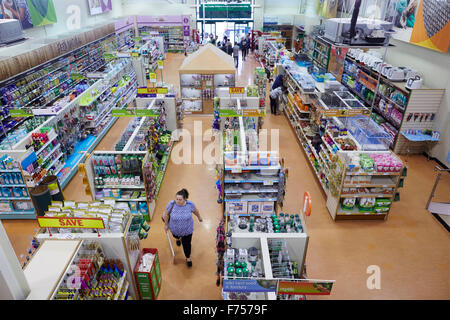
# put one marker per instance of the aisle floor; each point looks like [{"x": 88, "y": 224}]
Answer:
[{"x": 411, "y": 248}]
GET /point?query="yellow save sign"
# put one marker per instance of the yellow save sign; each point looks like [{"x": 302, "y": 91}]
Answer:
[
  {"x": 68, "y": 222},
  {"x": 237, "y": 90}
]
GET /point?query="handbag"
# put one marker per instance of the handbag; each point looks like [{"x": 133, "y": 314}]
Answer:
[{"x": 169, "y": 212}]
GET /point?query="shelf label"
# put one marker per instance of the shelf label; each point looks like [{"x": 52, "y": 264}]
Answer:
[
  {"x": 268, "y": 182},
  {"x": 85, "y": 223},
  {"x": 236, "y": 170},
  {"x": 345, "y": 112},
  {"x": 160, "y": 64},
  {"x": 228, "y": 113},
  {"x": 237, "y": 90},
  {"x": 21, "y": 113},
  {"x": 254, "y": 113},
  {"x": 152, "y": 77},
  {"x": 135, "y": 54}
]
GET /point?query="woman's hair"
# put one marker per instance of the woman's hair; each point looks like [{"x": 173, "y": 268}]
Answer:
[{"x": 184, "y": 193}]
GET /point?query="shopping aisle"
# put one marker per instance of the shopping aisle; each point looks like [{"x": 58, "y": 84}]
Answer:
[{"x": 411, "y": 248}]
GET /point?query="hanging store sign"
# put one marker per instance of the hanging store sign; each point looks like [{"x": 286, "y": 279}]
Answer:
[
  {"x": 242, "y": 113},
  {"x": 237, "y": 90},
  {"x": 254, "y": 113},
  {"x": 84, "y": 223}
]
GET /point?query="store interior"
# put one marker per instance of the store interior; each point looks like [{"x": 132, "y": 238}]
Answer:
[{"x": 103, "y": 138}]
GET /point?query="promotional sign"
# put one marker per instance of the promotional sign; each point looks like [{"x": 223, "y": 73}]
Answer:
[
  {"x": 160, "y": 64},
  {"x": 158, "y": 90},
  {"x": 68, "y": 222},
  {"x": 254, "y": 113},
  {"x": 30, "y": 13},
  {"x": 152, "y": 76},
  {"x": 249, "y": 285},
  {"x": 237, "y": 90},
  {"x": 186, "y": 31},
  {"x": 307, "y": 287},
  {"x": 99, "y": 6},
  {"x": 135, "y": 54}
]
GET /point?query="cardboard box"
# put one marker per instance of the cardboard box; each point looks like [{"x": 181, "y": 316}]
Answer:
[
  {"x": 268, "y": 207},
  {"x": 254, "y": 207},
  {"x": 239, "y": 207}
]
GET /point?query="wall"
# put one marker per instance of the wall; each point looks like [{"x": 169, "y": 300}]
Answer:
[
  {"x": 61, "y": 27},
  {"x": 157, "y": 7}
]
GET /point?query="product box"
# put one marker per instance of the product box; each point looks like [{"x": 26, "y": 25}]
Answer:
[
  {"x": 6, "y": 206},
  {"x": 24, "y": 205},
  {"x": 267, "y": 207},
  {"x": 148, "y": 283},
  {"x": 239, "y": 207},
  {"x": 254, "y": 207}
]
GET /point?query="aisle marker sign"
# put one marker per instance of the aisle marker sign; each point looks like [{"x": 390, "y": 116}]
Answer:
[
  {"x": 152, "y": 77},
  {"x": 160, "y": 64},
  {"x": 64, "y": 222}
]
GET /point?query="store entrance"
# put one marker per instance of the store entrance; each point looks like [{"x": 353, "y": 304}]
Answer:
[{"x": 234, "y": 31}]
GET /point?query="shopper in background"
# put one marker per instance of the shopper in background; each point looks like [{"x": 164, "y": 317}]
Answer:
[
  {"x": 244, "y": 48},
  {"x": 275, "y": 96},
  {"x": 236, "y": 54},
  {"x": 268, "y": 73},
  {"x": 279, "y": 81},
  {"x": 178, "y": 218},
  {"x": 229, "y": 47}
]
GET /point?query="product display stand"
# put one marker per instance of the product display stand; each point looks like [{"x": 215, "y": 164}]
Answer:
[
  {"x": 201, "y": 74},
  {"x": 124, "y": 246}
]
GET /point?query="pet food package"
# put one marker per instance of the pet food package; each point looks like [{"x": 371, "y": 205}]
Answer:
[
  {"x": 239, "y": 207},
  {"x": 267, "y": 207},
  {"x": 254, "y": 207}
]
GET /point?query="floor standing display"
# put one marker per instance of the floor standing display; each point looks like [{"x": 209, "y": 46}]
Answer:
[{"x": 201, "y": 74}]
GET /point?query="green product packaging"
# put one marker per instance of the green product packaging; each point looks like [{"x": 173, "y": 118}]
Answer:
[{"x": 230, "y": 271}]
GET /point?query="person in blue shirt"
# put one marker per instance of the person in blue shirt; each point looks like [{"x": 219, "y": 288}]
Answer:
[
  {"x": 279, "y": 81},
  {"x": 178, "y": 219}
]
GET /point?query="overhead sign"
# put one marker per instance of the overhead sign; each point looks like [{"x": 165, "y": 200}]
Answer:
[
  {"x": 237, "y": 90},
  {"x": 67, "y": 222},
  {"x": 242, "y": 113}
]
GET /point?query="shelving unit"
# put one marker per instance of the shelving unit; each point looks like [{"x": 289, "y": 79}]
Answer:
[{"x": 393, "y": 98}]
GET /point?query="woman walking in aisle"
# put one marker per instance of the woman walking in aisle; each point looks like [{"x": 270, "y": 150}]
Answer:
[
  {"x": 244, "y": 48},
  {"x": 178, "y": 218}
]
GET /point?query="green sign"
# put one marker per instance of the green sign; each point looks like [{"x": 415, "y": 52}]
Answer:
[
  {"x": 158, "y": 270},
  {"x": 145, "y": 113},
  {"x": 230, "y": 11},
  {"x": 77, "y": 76},
  {"x": 228, "y": 113},
  {"x": 154, "y": 283},
  {"x": 144, "y": 286},
  {"x": 122, "y": 113},
  {"x": 20, "y": 113},
  {"x": 145, "y": 33},
  {"x": 137, "y": 39}
]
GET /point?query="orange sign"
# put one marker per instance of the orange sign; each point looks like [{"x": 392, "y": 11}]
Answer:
[
  {"x": 305, "y": 287},
  {"x": 237, "y": 90},
  {"x": 67, "y": 222}
]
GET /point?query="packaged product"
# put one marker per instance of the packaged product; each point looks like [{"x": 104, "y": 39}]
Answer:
[
  {"x": 348, "y": 203},
  {"x": 366, "y": 203},
  {"x": 381, "y": 209},
  {"x": 383, "y": 202}
]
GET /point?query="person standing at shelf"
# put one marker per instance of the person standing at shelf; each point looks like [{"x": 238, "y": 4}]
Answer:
[
  {"x": 178, "y": 219},
  {"x": 279, "y": 81},
  {"x": 236, "y": 54},
  {"x": 275, "y": 95}
]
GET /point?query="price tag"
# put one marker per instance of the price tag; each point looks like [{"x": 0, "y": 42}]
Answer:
[
  {"x": 152, "y": 77},
  {"x": 268, "y": 182},
  {"x": 160, "y": 64},
  {"x": 236, "y": 170}
]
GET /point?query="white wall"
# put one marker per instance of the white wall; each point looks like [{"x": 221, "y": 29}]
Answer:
[
  {"x": 61, "y": 8},
  {"x": 157, "y": 7}
]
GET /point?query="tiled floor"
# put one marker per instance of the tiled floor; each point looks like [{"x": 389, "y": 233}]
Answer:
[{"x": 411, "y": 248}]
